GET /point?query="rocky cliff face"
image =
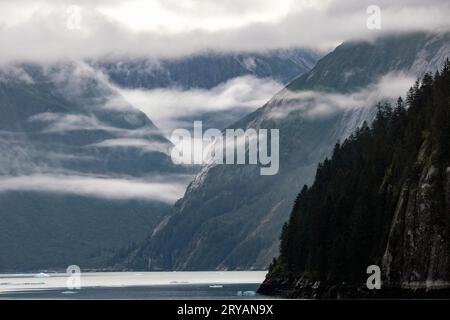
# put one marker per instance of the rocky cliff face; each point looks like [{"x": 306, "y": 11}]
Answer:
[
  {"x": 415, "y": 263},
  {"x": 418, "y": 249}
]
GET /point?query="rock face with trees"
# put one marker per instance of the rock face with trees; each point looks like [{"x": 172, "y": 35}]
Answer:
[{"x": 381, "y": 199}]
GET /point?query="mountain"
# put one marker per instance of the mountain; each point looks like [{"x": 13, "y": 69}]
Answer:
[
  {"x": 230, "y": 217},
  {"x": 381, "y": 199},
  {"x": 206, "y": 70},
  {"x": 72, "y": 150},
  {"x": 84, "y": 173}
]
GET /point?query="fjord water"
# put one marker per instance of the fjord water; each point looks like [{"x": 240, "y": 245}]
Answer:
[{"x": 134, "y": 285}]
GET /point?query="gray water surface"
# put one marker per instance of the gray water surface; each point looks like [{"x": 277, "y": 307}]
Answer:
[{"x": 134, "y": 285}]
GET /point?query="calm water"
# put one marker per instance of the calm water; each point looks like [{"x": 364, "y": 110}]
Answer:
[{"x": 134, "y": 285}]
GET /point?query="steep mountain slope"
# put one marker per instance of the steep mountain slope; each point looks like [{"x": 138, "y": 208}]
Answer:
[
  {"x": 230, "y": 216},
  {"x": 207, "y": 70},
  {"x": 382, "y": 199},
  {"x": 70, "y": 149}
]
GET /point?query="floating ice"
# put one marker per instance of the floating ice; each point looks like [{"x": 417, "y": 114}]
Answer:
[
  {"x": 41, "y": 275},
  {"x": 246, "y": 293},
  {"x": 69, "y": 292}
]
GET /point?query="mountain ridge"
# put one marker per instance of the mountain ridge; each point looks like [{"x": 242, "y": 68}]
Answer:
[{"x": 206, "y": 70}]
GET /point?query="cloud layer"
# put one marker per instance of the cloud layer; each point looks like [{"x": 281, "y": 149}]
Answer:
[
  {"x": 314, "y": 104},
  {"x": 43, "y": 30},
  {"x": 168, "y": 107},
  {"x": 101, "y": 187}
]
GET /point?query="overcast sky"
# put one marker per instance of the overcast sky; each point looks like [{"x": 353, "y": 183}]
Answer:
[{"x": 48, "y": 30}]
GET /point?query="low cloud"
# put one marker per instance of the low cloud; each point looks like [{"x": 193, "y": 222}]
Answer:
[
  {"x": 314, "y": 104},
  {"x": 166, "y": 107},
  {"x": 14, "y": 73},
  {"x": 59, "y": 122},
  {"x": 144, "y": 145},
  {"x": 101, "y": 187}
]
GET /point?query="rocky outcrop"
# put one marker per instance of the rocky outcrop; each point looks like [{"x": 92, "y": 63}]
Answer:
[{"x": 418, "y": 249}]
